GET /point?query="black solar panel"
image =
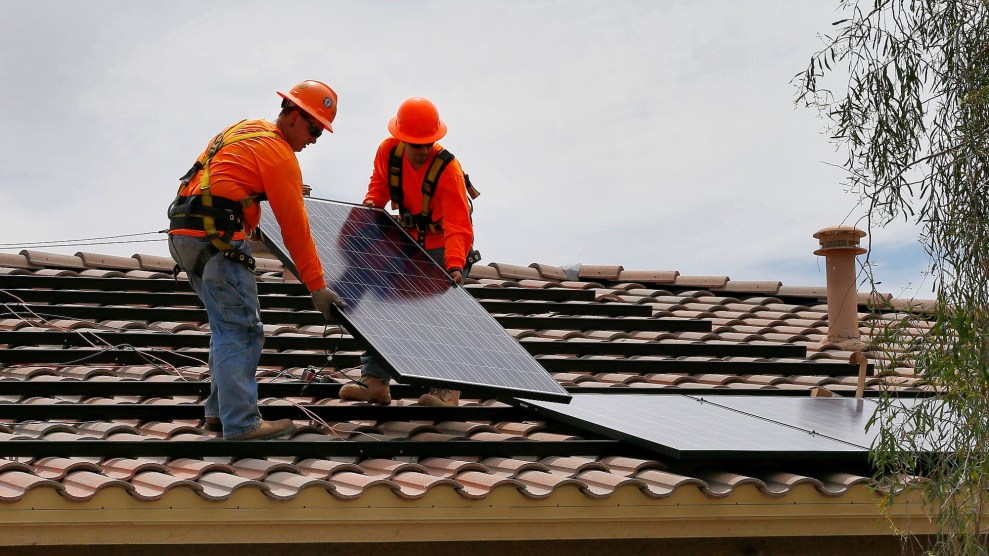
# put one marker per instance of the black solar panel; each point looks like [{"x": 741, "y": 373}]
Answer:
[
  {"x": 737, "y": 427},
  {"x": 421, "y": 326}
]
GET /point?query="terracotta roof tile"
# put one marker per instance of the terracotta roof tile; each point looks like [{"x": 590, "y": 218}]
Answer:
[
  {"x": 15, "y": 484},
  {"x": 20, "y": 260},
  {"x": 155, "y": 263},
  {"x": 515, "y": 272},
  {"x": 218, "y": 485},
  {"x": 98, "y": 261},
  {"x": 52, "y": 261}
]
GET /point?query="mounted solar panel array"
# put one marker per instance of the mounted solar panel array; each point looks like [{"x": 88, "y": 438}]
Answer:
[
  {"x": 405, "y": 308},
  {"x": 739, "y": 427}
]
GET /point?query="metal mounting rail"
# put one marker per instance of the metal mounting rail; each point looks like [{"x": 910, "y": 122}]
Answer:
[
  {"x": 194, "y": 356},
  {"x": 348, "y": 343},
  {"x": 694, "y": 367},
  {"x": 594, "y": 323},
  {"x": 192, "y": 411},
  {"x": 159, "y": 285},
  {"x": 312, "y": 317},
  {"x": 309, "y": 449}
]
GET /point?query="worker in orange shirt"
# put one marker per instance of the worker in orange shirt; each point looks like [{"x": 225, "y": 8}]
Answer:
[
  {"x": 215, "y": 210},
  {"x": 411, "y": 166}
]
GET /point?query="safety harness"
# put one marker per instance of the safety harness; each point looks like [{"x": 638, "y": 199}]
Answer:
[
  {"x": 220, "y": 218},
  {"x": 423, "y": 222}
]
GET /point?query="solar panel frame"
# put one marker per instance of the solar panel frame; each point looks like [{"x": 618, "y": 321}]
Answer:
[
  {"x": 697, "y": 428},
  {"x": 412, "y": 317}
]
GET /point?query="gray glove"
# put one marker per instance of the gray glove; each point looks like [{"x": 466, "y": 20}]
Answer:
[{"x": 325, "y": 298}]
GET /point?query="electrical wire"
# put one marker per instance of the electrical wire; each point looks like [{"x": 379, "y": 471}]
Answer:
[{"x": 82, "y": 241}]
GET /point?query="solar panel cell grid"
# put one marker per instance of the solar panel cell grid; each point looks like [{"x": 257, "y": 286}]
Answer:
[{"x": 406, "y": 308}]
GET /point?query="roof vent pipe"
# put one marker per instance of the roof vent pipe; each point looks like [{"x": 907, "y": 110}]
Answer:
[{"x": 840, "y": 246}]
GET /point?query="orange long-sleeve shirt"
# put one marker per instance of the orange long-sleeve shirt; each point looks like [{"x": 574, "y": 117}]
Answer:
[
  {"x": 449, "y": 201},
  {"x": 265, "y": 166}
]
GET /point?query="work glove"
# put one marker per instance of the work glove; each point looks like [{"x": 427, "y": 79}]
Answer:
[{"x": 325, "y": 298}]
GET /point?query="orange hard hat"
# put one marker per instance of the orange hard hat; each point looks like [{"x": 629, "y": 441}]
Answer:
[
  {"x": 316, "y": 98},
  {"x": 417, "y": 122}
]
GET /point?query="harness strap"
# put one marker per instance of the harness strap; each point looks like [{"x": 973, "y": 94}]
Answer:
[
  {"x": 209, "y": 209},
  {"x": 422, "y": 222}
]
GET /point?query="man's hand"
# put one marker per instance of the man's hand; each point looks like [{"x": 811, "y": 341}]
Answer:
[
  {"x": 457, "y": 276},
  {"x": 325, "y": 298}
]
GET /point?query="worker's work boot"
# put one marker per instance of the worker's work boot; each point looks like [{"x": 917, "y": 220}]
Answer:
[
  {"x": 439, "y": 397},
  {"x": 213, "y": 424},
  {"x": 268, "y": 429},
  {"x": 374, "y": 390}
]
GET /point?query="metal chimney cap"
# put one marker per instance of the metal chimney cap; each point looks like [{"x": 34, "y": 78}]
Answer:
[{"x": 839, "y": 238}]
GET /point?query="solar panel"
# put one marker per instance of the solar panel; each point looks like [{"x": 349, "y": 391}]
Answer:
[
  {"x": 738, "y": 427},
  {"x": 421, "y": 326}
]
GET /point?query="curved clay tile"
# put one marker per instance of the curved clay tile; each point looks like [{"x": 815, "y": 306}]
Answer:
[
  {"x": 218, "y": 485},
  {"x": 651, "y": 276},
  {"x": 104, "y": 429},
  {"x": 285, "y": 485},
  {"x": 348, "y": 486},
  {"x": 837, "y": 484},
  {"x": 413, "y": 485},
  {"x": 766, "y": 286},
  {"x": 447, "y": 467},
  {"x": 125, "y": 468},
  {"x": 192, "y": 469},
  {"x": 581, "y": 285},
  {"x": 56, "y": 468},
  {"x": 257, "y": 469},
  {"x": 549, "y": 272},
  {"x": 323, "y": 468},
  {"x": 152, "y": 485},
  {"x": 719, "y": 484},
  {"x": 462, "y": 429},
  {"x": 572, "y": 465},
  {"x": 601, "y": 484},
  {"x": 514, "y": 272},
  {"x": 100, "y": 273},
  {"x": 649, "y": 292},
  {"x": 780, "y": 483},
  {"x": 623, "y": 465},
  {"x": 381, "y": 467},
  {"x": 626, "y": 286},
  {"x": 15, "y": 484},
  {"x": 404, "y": 429},
  {"x": 29, "y": 372},
  {"x": 602, "y": 272},
  {"x": 511, "y": 467},
  {"x": 537, "y": 284},
  {"x": 83, "y": 485},
  {"x": 476, "y": 485},
  {"x": 542, "y": 484},
  {"x": 660, "y": 484},
  {"x": 672, "y": 379}
]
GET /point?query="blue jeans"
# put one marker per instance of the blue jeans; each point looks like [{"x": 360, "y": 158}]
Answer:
[{"x": 230, "y": 293}]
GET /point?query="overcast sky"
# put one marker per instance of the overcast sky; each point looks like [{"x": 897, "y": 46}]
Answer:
[{"x": 654, "y": 134}]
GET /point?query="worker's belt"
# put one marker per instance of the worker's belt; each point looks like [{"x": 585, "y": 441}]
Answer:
[
  {"x": 187, "y": 213},
  {"x": 207, "y": 253},
  {"x": 414, "y": 221}
]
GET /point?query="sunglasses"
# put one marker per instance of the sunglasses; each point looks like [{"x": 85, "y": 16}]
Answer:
[
  {"x": 421, "y": 145},
  {"x": 314, "y": 130}
]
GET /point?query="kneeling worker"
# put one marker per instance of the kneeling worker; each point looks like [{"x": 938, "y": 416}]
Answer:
[{"x": 443, "y": 226}]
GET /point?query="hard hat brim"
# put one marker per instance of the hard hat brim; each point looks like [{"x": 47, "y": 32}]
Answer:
[
  {"x": 301, "y": 106},
  {"x": 416, "y": 140}
]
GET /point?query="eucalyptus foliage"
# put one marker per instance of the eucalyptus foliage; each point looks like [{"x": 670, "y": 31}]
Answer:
[{"x": 905, "y": 87}]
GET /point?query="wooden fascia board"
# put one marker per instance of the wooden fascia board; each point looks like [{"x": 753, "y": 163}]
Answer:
[{"x": 180, "y": 516}]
